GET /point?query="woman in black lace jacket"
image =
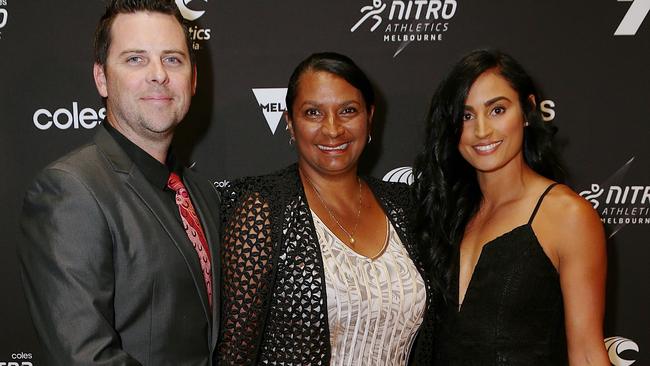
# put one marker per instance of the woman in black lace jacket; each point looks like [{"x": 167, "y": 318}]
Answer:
[{"x": 319, "y": 266}]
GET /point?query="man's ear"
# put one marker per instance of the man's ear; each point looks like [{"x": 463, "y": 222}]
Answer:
[{"x": 99, "y": 74}]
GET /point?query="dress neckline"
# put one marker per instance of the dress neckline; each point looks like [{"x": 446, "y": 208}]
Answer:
[
  {"x": 350, "y": 250},
  {"x": 491, "y": 242}
]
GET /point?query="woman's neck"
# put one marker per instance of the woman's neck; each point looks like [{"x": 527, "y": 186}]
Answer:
[
  {"x": 505, "y": 184},
  {"x": 344, "y": 186}
]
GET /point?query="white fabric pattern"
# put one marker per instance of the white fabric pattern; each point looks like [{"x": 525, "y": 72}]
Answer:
[{"x": 375, "y": 307}]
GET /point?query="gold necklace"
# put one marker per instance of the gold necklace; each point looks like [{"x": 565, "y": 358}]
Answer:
[{"x": 356, "y": 222}]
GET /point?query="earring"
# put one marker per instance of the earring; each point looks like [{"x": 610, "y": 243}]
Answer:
[
  {"x": 526, "y": 123},
  {"x": 291, "y": 140},
  {"x": 369, "y": 138}
]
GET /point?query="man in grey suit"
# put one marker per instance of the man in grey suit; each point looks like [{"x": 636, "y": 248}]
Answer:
[{"x": 122, "y": 258}]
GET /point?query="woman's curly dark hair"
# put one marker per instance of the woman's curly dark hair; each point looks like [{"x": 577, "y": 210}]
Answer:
[{"x": 446, "y": 186}]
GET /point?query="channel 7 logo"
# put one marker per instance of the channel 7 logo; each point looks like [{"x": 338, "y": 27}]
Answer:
[{"x": 633, "y": 18}]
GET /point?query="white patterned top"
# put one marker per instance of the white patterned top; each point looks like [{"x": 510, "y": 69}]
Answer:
[{"x": 374, "y": 307}]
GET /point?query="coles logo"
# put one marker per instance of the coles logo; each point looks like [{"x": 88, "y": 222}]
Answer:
[
  {"x": 221, "y": 183},
  {"x": 18, "y": 359},
  {"x": 400, "y": 175},
  {"x": 272, "y": 104},
  {"x": 620, "y": 204},
  {"x": 616, "y": 346},
  {"x": 197, "y": 33},
  {"x": 633, "y": 18},
  {"x": 405, "y": 21},
  {"x": 64, "y": 118}
]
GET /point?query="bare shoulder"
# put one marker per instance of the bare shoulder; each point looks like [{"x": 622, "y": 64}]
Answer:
[
  {"x": 569, "y": 223},
  {"x": 565, "y": 207}
]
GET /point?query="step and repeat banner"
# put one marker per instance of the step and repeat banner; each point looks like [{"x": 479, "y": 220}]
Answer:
[{"x": 590, "y": 58}]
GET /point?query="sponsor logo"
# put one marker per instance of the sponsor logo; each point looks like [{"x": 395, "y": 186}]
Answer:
[
  {"x": 197, "y": 33},
  {"x": 402, "y": 175},
  {"x": 221, "y": 183},
  {"x": 633, "y": 18},
  {"x": 272, "y": 104},
  {"x": 619, "y": 204},
  {"x": 65, "y": 119},
  {"x": 547, "y": 107},
  {"x": 4, "y": 15},
  {"x": 405, "y": 21},
  {"x": 18, "y": 359},
  {"x": 188, "y": 13},
  {"x": 616, "y": 346}
]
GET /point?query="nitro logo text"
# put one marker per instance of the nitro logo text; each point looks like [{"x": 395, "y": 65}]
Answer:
[
  {"x": 618, "y": 195},
  {"x": 620, "y": 204},
  {"x": 407, "y": 21}
]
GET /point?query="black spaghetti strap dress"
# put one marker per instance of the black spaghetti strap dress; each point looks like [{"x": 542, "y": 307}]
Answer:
[{"x": 512, "y": 313}]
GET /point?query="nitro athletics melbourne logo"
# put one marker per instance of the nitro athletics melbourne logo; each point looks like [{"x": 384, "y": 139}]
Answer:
[
  {"x": 620, "y": 204},
  {"x": 406, "y": 21}
]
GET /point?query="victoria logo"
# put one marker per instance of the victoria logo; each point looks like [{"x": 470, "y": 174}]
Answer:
[
  {"x": 617, "y": 203},
  {"x": 633, "y": 18},
  {"x": 407, "y": 21},
  {"x": 616, "y": 346},
  {"x": 400, "y": 175},
  {"x": 272, "y": 104}
]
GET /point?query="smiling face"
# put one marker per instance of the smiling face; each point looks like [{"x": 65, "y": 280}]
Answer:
[
  {"x": 148, "y": 79},
  {"x": 330, "y": 124},
  {"x": 493, "y": 124}
]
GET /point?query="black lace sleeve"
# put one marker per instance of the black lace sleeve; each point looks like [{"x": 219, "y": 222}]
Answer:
[{"x": 246, "y": 267}]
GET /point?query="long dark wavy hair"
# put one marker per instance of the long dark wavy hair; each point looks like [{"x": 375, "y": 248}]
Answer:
[{"x": 446, "y": 186}]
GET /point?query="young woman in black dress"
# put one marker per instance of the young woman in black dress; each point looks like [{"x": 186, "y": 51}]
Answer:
[{"x": 520, "y": 259}]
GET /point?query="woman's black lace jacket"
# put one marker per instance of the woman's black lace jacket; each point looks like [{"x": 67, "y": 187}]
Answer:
[{"x": 274, "y": 303}]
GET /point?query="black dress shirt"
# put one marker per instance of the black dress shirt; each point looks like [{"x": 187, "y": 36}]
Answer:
[{"x": 154, "y": 171}]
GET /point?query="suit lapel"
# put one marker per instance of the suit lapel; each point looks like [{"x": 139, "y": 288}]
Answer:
[
  {"x": 209, "y": 216},
  {"x": 168, "y": 221}
]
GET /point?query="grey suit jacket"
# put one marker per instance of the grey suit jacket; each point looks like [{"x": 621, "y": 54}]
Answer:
[{"x": 108, "y": 271}]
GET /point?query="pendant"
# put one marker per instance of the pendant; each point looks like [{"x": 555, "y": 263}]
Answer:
[{"x": 352, "y": 240}]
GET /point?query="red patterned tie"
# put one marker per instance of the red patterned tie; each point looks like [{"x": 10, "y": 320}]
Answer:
[{"x": 192, "y": 227}]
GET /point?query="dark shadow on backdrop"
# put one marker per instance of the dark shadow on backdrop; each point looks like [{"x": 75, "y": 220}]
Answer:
[
  {"x": 613, "y": 293},
  {"x": 374, "y": 150},
  {"x": 196, "y": 123}
]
